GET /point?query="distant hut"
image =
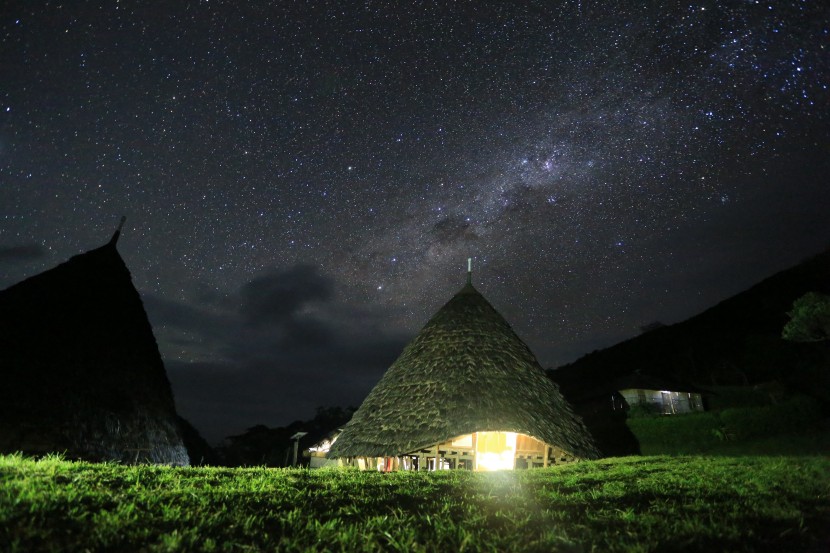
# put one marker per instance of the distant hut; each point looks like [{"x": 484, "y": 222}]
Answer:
[
  {"x": 318, "y": 453},
  {"x": 659, "y": 394},
  {"x": 636, "y": 389},
  {"x": 80, "y": 369},
  {"x": 465, "y": 393}
]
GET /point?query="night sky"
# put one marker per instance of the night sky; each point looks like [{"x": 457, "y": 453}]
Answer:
[{"x": 304, "y": 181}]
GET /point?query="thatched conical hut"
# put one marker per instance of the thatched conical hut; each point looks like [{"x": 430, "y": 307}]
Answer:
[
  {"x": 466, "y": 392},
  {"x": 80, "y": 371}
]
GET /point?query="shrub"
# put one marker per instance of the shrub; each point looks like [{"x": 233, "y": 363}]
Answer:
[
  {"x": 675, "y": 434},
  {"x": 639, "y": 410},
  {"x": 792, "y": 416},
  {"x": 726, "y": 397},
  {"x": 703, "y": 432}
]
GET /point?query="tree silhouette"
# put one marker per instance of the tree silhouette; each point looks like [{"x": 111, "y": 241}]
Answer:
[{"x": 809, "y": 319}]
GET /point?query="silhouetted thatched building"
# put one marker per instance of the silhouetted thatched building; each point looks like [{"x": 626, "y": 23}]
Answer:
[
  {"x": 466, "y": 392},
  {"x": 80, "y": 371}
]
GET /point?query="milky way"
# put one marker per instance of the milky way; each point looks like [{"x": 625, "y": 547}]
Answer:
[{"x": 304, "y": 181}]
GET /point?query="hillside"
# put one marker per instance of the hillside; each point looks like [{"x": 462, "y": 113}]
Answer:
[{"x": 738, "y": 341}]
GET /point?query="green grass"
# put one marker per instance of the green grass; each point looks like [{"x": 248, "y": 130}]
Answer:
[{"x": 627, "y": 504}]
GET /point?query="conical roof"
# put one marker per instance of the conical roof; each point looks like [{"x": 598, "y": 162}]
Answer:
[
  {"x": 80, "y": 367},
  {"x": 466, "y": 371}
]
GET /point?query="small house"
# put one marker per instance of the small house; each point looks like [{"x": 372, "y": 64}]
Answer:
[
  {"x": 659, "y": 394},
  {"x": 318, "y": 453}
]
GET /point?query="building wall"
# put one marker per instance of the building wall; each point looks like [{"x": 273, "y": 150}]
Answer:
[
  {"x": 664, "y": 401},
  {"x": 480, "y": 451}
]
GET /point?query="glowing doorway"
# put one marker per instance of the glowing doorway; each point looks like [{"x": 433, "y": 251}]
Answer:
[{"x": 495, "y": 450}]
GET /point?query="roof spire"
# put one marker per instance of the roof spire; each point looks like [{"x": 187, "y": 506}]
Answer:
[
  {"x": 470, "y": 271},
  {"x": 114, "y": 239}
]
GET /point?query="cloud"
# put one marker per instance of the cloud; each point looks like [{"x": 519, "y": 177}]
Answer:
[
  {"x": 190, "y": 332},
  {"x": 276, "y": 297},
  {"x": 176, "y": 314},
  {"x": 452, "y": 229},
  {"x": 287, "y": 346},
  {"x": 24, "y": 252},
  {"x": 288, "y": 310},
  {"x": 223, "y": 399},
  {"x": 208, "y": 323},
  {"x": 290, "y": 305},
  {"x": 265, "y": 383}
]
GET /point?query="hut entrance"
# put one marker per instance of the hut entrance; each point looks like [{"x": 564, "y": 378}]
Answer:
[
  {"x": 487, "y": 450},
  {"x": 480, "y": 451},
  {"x": 495, "y": 450}
]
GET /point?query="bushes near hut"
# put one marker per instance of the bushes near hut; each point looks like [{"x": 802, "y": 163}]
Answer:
[
  {"x": 793, "y": 416},
  {"x": 675, "y": 435},
  {"x": 731, "y": 430}
]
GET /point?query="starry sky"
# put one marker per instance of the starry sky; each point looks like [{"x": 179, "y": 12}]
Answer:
[{"x": 304, "y": 181}]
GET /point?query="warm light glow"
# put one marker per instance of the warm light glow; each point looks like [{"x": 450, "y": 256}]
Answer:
[
  {"x": 495, "y": 461},
  {"x": 463, "y": 441},
  {"x": 495, "y": 450},
  {"x": 324, "y": 446},
  {"x": 489, "y": 451}
]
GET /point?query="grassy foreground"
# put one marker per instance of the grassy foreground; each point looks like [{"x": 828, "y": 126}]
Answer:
[{"x": 627, "y": 504}]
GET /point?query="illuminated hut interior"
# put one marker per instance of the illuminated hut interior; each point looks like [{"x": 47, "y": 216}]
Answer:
[{"x": 466, "y": 392}]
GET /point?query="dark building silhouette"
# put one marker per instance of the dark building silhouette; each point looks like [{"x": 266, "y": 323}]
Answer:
[{"x": 80, "y": 370}]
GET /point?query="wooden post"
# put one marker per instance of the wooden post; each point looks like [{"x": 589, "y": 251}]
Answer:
[{"x": 547, "y": 454}]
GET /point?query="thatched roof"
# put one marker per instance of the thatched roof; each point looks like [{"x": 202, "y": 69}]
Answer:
[
  {"x": 80, "y": 369},
  {"x": 466, "y": 371}
]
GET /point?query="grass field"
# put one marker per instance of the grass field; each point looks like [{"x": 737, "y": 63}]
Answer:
[{"x": 628, "y": 504}]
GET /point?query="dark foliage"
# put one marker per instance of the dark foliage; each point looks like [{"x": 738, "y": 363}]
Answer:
[
  {"x": 794, "y": 415},
  {"x": 688, "y": 434},
  {"x": 198, "y": 449},
  {"x": 698, "y": 433},
  {"x": 609, "y": 430},
  {"x": 273, "y": 447},
  {"x": 809, "y": 319}
]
